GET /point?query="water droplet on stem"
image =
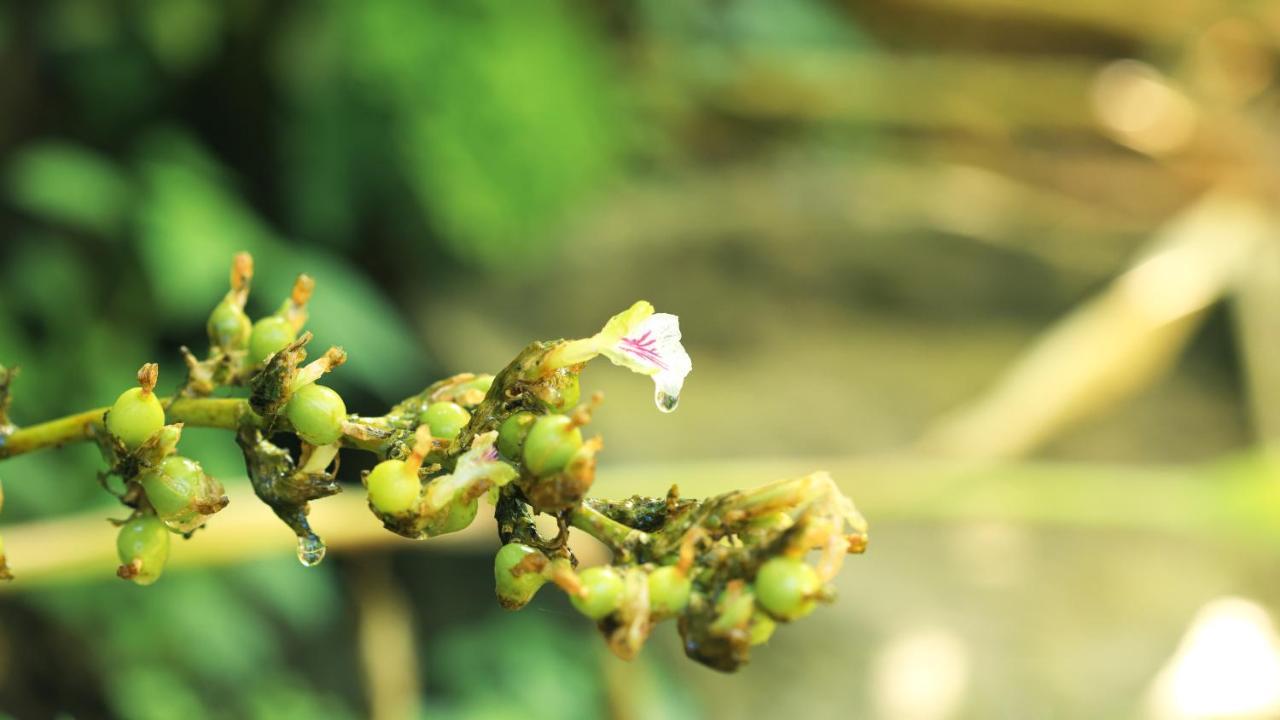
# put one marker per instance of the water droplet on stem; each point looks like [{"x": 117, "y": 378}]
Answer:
[{"x": 310, "y": 550}]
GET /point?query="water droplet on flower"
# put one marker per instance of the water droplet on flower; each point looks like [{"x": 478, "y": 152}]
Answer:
[
  {"x": 665, "y": 402},
  {"x": 310, "y": 550}
]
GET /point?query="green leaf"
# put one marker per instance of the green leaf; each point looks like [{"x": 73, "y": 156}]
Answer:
[
  {"x": 514, "y": 125},
  {"x": 69, "y": 184}
]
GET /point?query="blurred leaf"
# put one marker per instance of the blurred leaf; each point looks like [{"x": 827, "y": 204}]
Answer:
[
  {"x": 285, "y": 698},
  {"x": 525, "y": 666},
  {"x": 279, "y": 582},
  {"x": 72, "y": 25},
  {"x": 182, "y": 33},
  {"x": 69, "y": 184},
  {"x": 153, "y": 692},
  {"x": 51, "y": 484},
  {"x": 505, "y": 115},
  {"x": 190, "y": 227}
]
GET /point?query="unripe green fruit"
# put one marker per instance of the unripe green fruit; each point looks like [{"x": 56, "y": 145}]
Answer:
[
  {"x": 567, "y": 395},
  {"x": 461, "y": 514},
  {"x": 761, "y": 628},
  {"x": 550, "y": 444},
  {"x": 445, "y": 419},
  {"x": 787, "y": 587},
  {"x": 146, "y": 540},
  {"x": 602, "y": 592},
  {"x": 316, "y": 413},
  {"x": 393, "y": 487},
  {"x": 229, "y": 327},
  {"x": 270, "y": 335},
  {"x": 515, "y": 591},
  {"x": 669, "y": 590},
  {"x": 173, "y": 485},
  {"x": 512, "y": 433},
  {"x": 480, "y": 382},
  {"x": 734, "y": 609},
  {"x": 135, "y": 417}
]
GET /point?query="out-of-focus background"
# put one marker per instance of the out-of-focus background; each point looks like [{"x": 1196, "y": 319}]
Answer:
[{"x": 1008, "y": 268}]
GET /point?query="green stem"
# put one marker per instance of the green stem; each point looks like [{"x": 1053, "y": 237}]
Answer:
[
  {"x": 225, "y": 413},
  {"x": 622, "y": 540},
  {"x": 55, "y": 433}
]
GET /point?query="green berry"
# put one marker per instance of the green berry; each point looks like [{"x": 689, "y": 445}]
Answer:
[
  {"x": 566, "y": 395},
  {"x": 515, "y": 591},
  {"x": 446, "y": 419},
  {"x": 735, "y": 609},
  {"x": 146, "y": 540},
  {"x": 135, "y": 417},
  {"x": 480, "y": 383},
  {"x": 512, "y": 433},
  {"x": 761, "y": 628},
  {"x": 550, "y": 444},
  {"x": 393, "y": 487},
  {"x": 173, "y": 487},
  {"x": 669, "y": 590},
  {"x": 602, "y": 589},
  {"x": 270, "y": 335},
  {"x": 788, "y": 587},
  {"x": 229, "y": 328},
  {"x": 461, "y": 514},
  {"x": 316, "y": 413}
]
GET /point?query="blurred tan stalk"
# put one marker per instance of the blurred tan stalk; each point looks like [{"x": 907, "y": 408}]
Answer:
[
  {"x": 384, "y": 628},
  {"x": 1119, "y": 342}
]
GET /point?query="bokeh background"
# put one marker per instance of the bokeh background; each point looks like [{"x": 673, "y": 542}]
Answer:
[{"x": 1008, "y": 268}]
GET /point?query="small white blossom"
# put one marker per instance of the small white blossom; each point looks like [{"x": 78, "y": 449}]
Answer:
[
  {"x": 652, "y": 347},
  {"x": 641, "y": 340}
]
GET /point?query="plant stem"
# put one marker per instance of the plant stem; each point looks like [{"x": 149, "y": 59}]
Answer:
[
  {"x": 620, "y": 538},
  {"x": 225, "y": 413}
]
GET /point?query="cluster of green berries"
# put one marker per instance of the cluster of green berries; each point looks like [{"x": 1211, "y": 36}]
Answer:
[
  {"x": 425, "y": 503},
  {"x": 545, "y": 444},
  {"x": 784, "y": 589},
  {"x": 515, "y": 438},
  {"x": 169, "y": 492},
  {"x": 232, "y": 332}
]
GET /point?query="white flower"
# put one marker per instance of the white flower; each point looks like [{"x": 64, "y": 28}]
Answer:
[
  {"x": 643, "y": 341},
  {"x": 653, "y": 348}
]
